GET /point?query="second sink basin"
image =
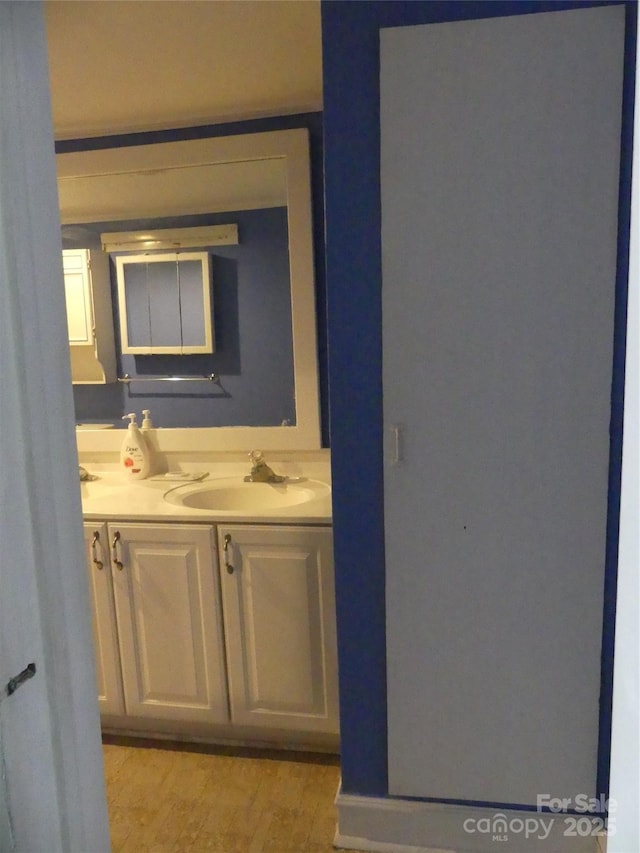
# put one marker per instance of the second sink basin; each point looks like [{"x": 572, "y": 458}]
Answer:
[{"x": 235, "y": 495}]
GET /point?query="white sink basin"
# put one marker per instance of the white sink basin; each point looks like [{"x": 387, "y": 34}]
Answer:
[{"x": 235, "y": 495}]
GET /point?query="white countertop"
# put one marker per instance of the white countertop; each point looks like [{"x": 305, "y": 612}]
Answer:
[{"x": 110, "y": 496}]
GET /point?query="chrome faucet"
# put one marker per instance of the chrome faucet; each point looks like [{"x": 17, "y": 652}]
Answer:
[{"x": 260, "y": 471}]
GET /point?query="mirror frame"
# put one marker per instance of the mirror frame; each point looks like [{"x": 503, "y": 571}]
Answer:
[{"x": 293, "y": 146}]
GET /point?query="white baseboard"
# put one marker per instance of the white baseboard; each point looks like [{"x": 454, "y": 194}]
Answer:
[{"x": 390, "y": 825}]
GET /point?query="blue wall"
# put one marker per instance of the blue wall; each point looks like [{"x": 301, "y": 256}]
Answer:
[
  {"x": 350, "y": 35},
  {"x": 253, "y": 356},
  {"x": 234, "y": 354}
]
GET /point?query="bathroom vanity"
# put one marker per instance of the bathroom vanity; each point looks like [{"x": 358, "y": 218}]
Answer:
[
  {"x": 210, "y": 623},
  {"x": 213, "y": 610}
]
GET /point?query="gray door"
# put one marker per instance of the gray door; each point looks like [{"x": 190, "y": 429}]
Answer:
[
  {"x": 500, "y": 162},
  {"x": 6, "y": 840}
]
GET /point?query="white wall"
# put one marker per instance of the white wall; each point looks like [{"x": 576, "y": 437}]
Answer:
[{"x": 625, "y": 747}]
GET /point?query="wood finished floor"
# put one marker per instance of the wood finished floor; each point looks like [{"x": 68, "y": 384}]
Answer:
[{"x": 174, "y": 797}]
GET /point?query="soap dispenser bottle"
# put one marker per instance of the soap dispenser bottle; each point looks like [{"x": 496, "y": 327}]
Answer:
[
  {"x": 149, "y": 438},
  {"x": 134, "y": 456}
]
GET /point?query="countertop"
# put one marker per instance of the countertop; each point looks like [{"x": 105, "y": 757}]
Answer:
[{"x": 110, "y": 496}]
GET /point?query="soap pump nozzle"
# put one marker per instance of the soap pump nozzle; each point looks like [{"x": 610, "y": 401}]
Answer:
[
  {"x": 132, "y": 418},
  {"x": 146, "y": 420}
]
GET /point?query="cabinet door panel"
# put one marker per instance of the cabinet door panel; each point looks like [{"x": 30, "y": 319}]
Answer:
[
  {"x": 105, "y": 635},
  {"x": 169, "y": 624},
  {"x": 194, "y": 323},
  {"x": 77, "y": 297},
  {"x": 280, "y": 627},
  {"x": 87, "y": 291},
  {"x": 165, "y": 313},
  {"x": 136, "y": 290}
]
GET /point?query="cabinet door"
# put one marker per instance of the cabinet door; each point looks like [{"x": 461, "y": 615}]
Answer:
[
  {"x": 165, "y": 303},
  {"x": 77, "y": 292},
  {"x": 105, "y": 634},
  {"x": 169, "y": 625},
  {"x": 87, "y": 289},
  {"x": 279, "y": 610}
]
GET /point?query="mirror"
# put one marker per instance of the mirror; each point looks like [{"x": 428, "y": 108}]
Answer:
[{"x": 213, "y": 176}]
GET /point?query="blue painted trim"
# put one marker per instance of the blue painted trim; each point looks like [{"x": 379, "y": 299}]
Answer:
[
  {"x": 350, "y": 34},
  {"x": 617, "y": 403},
  {"x": 352, "y": 211}
]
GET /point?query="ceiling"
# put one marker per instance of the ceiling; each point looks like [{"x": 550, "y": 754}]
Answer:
[
  {"x": 117, "y": 67},
  {"x": 124, "y": 194}
]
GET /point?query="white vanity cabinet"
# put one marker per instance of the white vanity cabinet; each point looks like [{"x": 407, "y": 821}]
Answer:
[
  {"x": 166, "y": 605},
  {"x": 279, "y": 616},
  {"x": 87, "y": 291},
  {"x": 219, "y": 631}
]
